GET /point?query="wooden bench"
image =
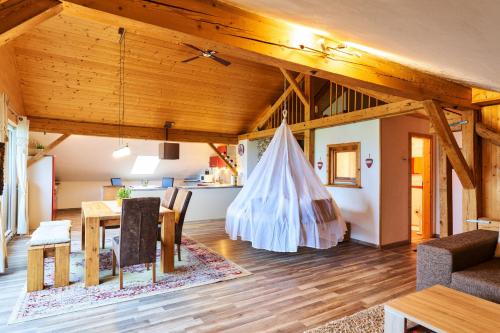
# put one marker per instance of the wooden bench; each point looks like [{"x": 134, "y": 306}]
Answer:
[{"x": 51, "y": 239}]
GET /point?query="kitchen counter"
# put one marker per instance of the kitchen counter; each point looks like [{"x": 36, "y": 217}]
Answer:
[
  {"x": 204, "y": 205},
  {"x": 209, "y": 186}
]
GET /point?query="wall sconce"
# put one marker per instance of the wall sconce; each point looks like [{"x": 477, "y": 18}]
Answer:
[
  {"x": 369, "y": 161},
  {"x": 320, "y": 164}
]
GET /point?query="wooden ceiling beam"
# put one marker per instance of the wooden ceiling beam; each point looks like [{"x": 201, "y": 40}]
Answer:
[
  {"x": 20, "y": 16},
  {"x": 485, "y": 133},
  {"x": 260, "y": 39},
  {"x": 129, "y": 132},
  {"x": 457, "y": 160},
  {"x": 485, "y": 97},
  {"x": 381, "y": 111},
  {"x": 47, "y": 149}
]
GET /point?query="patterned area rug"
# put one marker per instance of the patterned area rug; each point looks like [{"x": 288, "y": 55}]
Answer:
[
  {"x": 369, "y": 320},
  {"x": 199, "y": 266}
]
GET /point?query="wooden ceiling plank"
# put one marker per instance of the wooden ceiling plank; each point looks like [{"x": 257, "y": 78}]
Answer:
[
  {"x": 20, "y": 16},
  {"x": 47, "y": 149},
  {"x": 130, "y": 132},
  {"x": 271, "y": 42},
  {"x": 457, "y": 160},
  {"x": 376, "y": 112}
]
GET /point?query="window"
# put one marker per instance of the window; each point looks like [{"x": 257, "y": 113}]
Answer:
[
  {"x": 344, "y": 167},
  {"x": 10, "y": 187},
  {"x": 145, "y": 165}
]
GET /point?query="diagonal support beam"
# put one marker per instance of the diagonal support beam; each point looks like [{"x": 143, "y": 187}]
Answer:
[
  {"x": 457, "y": 160},
  {"x": 229, "y": 165},
  {"x": 47, "y": 149},
  {"x": 20, "y": 16},
  {"x": 295, "y": 86},
  {"x": 485, "y": 133},
  {"x": 268, "y": 112}
]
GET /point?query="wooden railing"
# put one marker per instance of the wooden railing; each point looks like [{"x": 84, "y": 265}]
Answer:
[{"x": 329, "y": 98}]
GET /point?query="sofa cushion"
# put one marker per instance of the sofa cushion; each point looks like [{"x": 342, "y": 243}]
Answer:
[{"x": 482, "y": 280}]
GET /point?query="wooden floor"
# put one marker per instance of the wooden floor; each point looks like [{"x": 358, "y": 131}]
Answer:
[{"x": 286, "y": 293}]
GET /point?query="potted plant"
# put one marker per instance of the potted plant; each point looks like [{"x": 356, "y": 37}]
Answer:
[
  {"x": 123, "y": 193},
  {"x": 39, "y": 147}
]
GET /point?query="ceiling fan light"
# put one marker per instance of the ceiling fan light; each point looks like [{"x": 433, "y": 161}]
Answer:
[{"x": 122, "y": 152}]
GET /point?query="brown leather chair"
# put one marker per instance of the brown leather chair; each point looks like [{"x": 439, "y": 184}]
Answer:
[
  {"x": 180, "y": 207},
  {"x": 169, "y": 197},
  {"x": 138, "y": 232}
]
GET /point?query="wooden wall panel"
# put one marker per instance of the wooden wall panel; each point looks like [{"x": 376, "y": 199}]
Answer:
[
  {"x": 490, "y": 116},
  {"x": 9, "y": 79}
]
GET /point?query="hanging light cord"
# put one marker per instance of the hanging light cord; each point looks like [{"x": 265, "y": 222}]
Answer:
[{"x": 121, "y": 93}]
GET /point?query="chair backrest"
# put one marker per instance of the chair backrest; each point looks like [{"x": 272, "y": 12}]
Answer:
[
  {"x": 138, "y": 231},
  {"x": 180, "y": 207},
  {"x": 169, "y": 197},
  {"x": 167, "y": 182},
  {"x": 116, "y": 182}
]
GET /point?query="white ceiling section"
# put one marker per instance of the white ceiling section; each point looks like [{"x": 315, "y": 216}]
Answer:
[
  {"x": 88, "y": 158},
  {"x": 457, "y": 39}
]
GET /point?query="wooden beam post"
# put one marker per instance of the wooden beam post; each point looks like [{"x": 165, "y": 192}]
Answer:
[
  {"x": 471, "y": 205},
  {"x": 308, "y": 111},
  {"x": 445, "y": 194},
  {"x": 129, "y": 132},
  {"x": 20, "y": 16},
  {"x": 47, "y": 149},
  {"x": 261, "y": 39},
  {"x": 485, "y": 97},
  {"x": 288, "y": 76},
  {"x": 231, "y": 167},
  {"x": 457, "y": 160},
  {"x": 268, "y": 112}
]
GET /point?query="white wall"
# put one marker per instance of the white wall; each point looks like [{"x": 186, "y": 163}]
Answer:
[
  {"x": 360, "y": 206},
  {"x": 84, "y": 163}
]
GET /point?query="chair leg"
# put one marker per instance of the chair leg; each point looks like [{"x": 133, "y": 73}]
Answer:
[
  {"x": 121, "y": 278},
  {"x": 113, "y": 263},
  {"x": 103, "y": 233},
  {"x": 153, "y": 271},
  {"x": 179, "y": 251}
]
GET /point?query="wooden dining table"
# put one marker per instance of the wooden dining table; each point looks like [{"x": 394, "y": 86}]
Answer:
[{"x": 97, "y": 214}]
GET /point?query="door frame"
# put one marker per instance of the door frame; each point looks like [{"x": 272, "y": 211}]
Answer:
[{"x": 432, "y": 182}]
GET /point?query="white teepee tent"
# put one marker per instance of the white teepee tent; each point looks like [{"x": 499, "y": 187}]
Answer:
[{"x": 284, "y": 205}]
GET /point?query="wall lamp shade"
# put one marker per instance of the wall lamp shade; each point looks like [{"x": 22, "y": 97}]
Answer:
[
  {"x": 121, "y": 152},
  {"x": 169, "y": 151}
]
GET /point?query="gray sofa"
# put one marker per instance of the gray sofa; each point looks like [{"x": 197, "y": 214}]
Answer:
[{"x": 463, "y": 262}]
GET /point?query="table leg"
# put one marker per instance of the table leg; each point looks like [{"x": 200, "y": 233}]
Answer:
[
  {"x": 82, "y": 221},
  {"x": 167, "y": 242},
  {"x": 393, "y": 321},
  {"x": 91, "y": 251}
]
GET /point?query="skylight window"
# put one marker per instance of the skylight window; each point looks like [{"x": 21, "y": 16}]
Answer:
[{"x": 145, "y": 165}]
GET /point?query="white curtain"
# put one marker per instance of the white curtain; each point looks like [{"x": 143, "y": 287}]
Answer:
[
  {"x": 3, "y": 220},
  {"x": 22, "y": 140}
]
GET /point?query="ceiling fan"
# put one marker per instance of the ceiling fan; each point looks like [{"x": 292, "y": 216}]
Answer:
[{"x": 206, "y": 54}]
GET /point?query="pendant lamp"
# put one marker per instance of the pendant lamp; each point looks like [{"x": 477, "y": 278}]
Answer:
[{"x": 168, "y": 150}]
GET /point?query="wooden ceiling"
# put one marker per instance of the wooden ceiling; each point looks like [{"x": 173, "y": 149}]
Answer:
[{"x": 69, "y": 70}]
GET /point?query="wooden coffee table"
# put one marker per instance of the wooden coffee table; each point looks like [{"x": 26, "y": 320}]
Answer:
[{"x": 442, "y": 309}]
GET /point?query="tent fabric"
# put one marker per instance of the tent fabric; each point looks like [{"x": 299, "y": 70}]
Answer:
[{"x": 283, "y": 204}]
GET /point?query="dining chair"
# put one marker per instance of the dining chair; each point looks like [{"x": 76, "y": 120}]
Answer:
[
  {"x": 180, "y": 207},
  {"x": 138, "y": 233},
  {"x": 169, "y": 197}
]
